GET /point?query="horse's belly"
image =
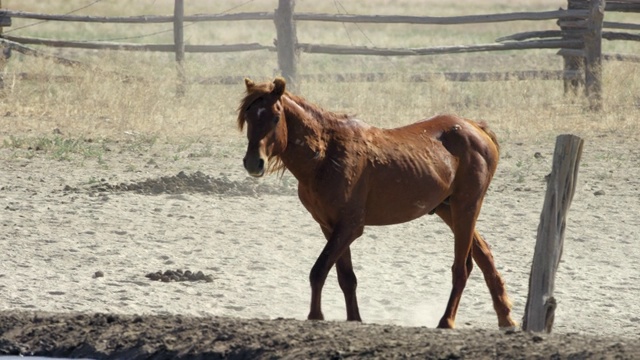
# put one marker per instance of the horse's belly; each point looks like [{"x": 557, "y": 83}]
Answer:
[
  {"x": 399, "y": 193},
  {"x": 398, "y": 218},
  {"x": 398, "y": 207}
]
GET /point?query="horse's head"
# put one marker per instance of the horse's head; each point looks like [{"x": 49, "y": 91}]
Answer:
[{"x": 262, "y": 111}]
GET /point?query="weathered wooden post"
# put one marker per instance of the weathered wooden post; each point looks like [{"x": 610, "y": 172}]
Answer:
[
  {"x": 571, "y": 62},
  {"x": 593, "y": 54},
  {"x": 5, "y": 51},
  {"x": 178, "y": 39},
  {"x": 287, "y": 41},
  {"x": 540, "y": 308}
]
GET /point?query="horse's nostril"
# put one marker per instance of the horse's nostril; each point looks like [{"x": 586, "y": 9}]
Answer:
[{"x": 261, "y": 164}]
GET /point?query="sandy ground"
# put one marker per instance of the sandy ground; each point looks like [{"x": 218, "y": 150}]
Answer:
[{"x": 133, "y": 212}]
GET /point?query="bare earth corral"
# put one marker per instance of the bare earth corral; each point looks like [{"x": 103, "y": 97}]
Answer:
[
  {"x": 80, "y": 235},
  {"x": 84, "y": 221}
]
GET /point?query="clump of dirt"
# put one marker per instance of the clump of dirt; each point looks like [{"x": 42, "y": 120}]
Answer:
[
  {"x": 197, "y": 182},
  {"x": 179, "y": 275}
]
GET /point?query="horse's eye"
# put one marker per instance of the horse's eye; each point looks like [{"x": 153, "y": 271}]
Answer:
[
  {"x": 276, "y": 118},
  {"x": 256, "y": 101}
]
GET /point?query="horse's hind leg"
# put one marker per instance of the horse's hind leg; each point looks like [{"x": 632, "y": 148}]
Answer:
[
  {"x": 501, "y": 303},
  {"x": 465, "y": 213},
  {"x": 482, "y": 256}
]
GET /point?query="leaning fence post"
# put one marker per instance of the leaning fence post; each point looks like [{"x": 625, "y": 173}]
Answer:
[
  {"x": 287, "y": 41},
  {"x": 540, "y": 308},
  {"x": 593, "y": 53},
  {"x": 178, "y": 39}
]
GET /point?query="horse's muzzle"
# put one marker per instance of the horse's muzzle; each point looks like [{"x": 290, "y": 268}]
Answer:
[{"x": 254, "y": 166}]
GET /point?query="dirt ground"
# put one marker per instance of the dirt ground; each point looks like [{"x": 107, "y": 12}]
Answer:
[
  {"x": 107, "y": 336},
  {"x": 80, "y": 235}
]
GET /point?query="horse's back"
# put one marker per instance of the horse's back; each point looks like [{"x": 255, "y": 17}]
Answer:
[{"x": 423, "y": 145}]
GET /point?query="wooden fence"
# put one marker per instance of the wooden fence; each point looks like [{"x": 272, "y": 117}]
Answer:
[{"x": 578, "y": 40}]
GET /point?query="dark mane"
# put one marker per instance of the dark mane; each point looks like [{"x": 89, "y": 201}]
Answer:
[{"x": 318, "y": 113}]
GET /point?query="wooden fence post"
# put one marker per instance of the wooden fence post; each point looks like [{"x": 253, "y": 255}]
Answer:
[
  {"x": 178, "y": 38},
  {"x": 287, "y": 41},
  {"x": 5, "y": 52},
  {"x": 593, "y": 53},
  {"x": 561, "y": 184},
  {"x": 572, "y": 63}
]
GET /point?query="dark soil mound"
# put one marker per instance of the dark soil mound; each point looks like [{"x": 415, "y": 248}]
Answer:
[
  {"x": 103, "y": 336},
  {"x": 184, "y": 183}
]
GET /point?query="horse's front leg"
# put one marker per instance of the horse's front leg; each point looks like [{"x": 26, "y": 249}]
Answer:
[
  {"x": 348, "y": 283},
  {"x": 336, "y": 250}
]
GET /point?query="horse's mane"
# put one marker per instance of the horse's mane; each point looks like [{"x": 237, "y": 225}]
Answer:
[
  {"x": 316, "y": 111},
  {"x": 263, "y": 89}
]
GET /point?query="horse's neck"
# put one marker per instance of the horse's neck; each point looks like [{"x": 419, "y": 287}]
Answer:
[
  {"x": 301, "y": 122},
  {"x": 306, "y": 143}
]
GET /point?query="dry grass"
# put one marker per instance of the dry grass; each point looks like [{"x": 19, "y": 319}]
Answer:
[{"x": 101, "y": 103}]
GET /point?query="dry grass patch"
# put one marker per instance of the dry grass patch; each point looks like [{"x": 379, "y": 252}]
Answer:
[{"x": 131, "y": 96}]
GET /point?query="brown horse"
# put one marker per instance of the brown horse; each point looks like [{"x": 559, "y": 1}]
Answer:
[{"x": 351, "y": 174}]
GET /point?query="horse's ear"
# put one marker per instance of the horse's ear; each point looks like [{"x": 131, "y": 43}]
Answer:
[
  {"x": 249, "y": 84},
  {"x": 279, "y": 85}
]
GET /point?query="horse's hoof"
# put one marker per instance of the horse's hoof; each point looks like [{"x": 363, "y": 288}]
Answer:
[
  {"x": 508, "y": 329},
  {"x": 508, "y": 324},
  {"x": 315, "y": 317},
  {"x": 446, "y": 324}
]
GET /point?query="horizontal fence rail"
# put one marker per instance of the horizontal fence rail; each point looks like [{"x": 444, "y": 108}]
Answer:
[
  {"x": 375, "y": 19},
  {"x": 452, "y": 20},
  {"x": 612, "y": 5},
  {"x": 139, "y": 47},
  {"x": 141, "y": 19},
  {"x": 578, "y": 40},
  {"x": 456, "y": 49},
  {"x": 619, "y": 25}
]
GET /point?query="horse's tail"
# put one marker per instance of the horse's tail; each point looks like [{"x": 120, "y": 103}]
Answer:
[{"x": 484, "y": 127}]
